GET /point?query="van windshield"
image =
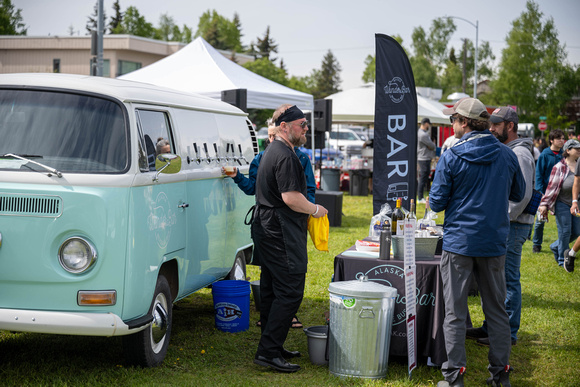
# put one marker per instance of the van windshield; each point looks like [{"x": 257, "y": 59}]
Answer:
[{"x": 68, "y": 132}]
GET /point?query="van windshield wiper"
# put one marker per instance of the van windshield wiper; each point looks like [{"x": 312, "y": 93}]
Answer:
[{"x": 25, "y": 158}]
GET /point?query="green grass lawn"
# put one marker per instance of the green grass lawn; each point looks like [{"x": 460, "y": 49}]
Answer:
[{"x": 547, "y": 353}]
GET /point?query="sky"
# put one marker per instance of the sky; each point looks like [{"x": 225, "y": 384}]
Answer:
[{"x": 306, "y": 29}]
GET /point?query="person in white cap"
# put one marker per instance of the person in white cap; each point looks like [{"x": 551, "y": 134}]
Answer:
[{"x": 474, "y": 181}]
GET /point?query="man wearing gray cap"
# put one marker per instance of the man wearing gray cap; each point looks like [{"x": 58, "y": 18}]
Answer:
[
  {"x": 425, "y": 153},
  {"x": 473, "y": 182},
  {"x": 504, "y": 126}
]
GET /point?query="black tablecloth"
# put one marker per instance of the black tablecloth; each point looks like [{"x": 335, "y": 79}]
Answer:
[{"x": 430, "y": 304}]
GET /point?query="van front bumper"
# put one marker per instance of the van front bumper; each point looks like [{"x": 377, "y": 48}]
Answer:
[{"x": 65, "y": 323}]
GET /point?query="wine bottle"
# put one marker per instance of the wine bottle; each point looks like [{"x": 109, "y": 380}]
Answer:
[
  {"x": 398, "y": 220},
  {"x": 411, "y": 214}
]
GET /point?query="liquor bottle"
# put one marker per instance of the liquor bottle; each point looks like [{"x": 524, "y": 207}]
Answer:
[
  {"x": 398, "y": 220},
  {"x": 424, "y": 223}
]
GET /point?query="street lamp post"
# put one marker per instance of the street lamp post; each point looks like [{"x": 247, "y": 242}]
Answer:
[{"x": 476, "y": 25}]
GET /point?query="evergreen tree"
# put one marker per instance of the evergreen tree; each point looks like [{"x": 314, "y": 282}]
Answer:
[
  {"x": 11, "y": 22},
  {"x": 266, "y": 46},
  {"x": 93, "y": 19},
  {"x": 328, "y": 80},
  {"x": 117, "y": 18}
]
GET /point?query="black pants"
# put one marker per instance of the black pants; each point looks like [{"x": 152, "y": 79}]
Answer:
[
  {"x": 280, "y": 296},
  {"x": 424, "y": 171}
]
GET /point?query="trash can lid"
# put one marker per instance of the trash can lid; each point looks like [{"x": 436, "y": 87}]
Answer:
[{"x": 362, "y": 288}]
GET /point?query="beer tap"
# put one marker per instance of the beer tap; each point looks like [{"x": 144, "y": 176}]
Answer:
[
  {"x": 241, "y": 155},
  {"x": 197, "y": 158},
  {"x": 207, "y": 157},
  {"x": 218, "y": 158}
]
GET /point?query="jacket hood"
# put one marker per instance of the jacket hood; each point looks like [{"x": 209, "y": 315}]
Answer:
[
  {"x": 478, "y": 147},
  {"x": 526, "y": 142}
]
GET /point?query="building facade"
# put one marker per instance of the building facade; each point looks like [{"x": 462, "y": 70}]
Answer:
[{"x": 72, "y": 54}]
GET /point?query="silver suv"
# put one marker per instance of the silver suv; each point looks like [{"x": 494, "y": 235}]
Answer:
[{"x": 347, "y": 141}]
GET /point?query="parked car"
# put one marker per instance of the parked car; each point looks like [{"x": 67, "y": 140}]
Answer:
[{"x": 347, "y": 141}]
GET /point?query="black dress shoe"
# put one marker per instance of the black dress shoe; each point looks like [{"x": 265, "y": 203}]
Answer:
[
  {"x": 277, "y": 363},
  {"x": 475, "y": 333},
  {"x": 290, "y": 354}
]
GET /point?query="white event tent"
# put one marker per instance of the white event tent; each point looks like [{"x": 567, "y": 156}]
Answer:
[
  {"x": 200, "y": 68},
  {"x": 357, "y": 106}
]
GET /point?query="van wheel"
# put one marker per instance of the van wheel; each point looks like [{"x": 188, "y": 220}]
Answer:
[
  {"x": 238, "y": 272},
  {"x": 148, "y": 347}
]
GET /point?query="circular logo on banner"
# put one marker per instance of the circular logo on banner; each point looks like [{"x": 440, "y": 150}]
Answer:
[{"x": 396, "y": 90}]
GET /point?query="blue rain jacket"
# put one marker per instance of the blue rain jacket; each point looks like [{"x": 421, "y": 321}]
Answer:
[{"x": 474, "y": 181}]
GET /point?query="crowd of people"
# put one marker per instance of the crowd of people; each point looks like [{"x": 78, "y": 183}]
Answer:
[{"x": 484, "y": 180}]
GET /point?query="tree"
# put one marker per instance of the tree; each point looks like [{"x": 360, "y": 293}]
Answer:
[
  {"x": 266, "y": 46},
  {"x": 533, "y": 74},
  {"x": 267, "y": 69},
  {"x": 93, "y": 19},
  {"x": 11, "y": 20},
  {"x": 369, "y": 73},
  {"x": 328, "y": 79},
  {"x": 166, "y": 28},
  {"x": 117, "y": 18},
  {"x": 220, "y": 32},
  {"x": 135, "y": 24}
]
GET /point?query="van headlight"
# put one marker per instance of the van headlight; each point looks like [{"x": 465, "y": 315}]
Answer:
[{"x": 77, "y": 255}]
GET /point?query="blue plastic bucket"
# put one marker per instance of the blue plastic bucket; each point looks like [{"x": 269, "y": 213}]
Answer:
[{"x": 231, "y": 301}]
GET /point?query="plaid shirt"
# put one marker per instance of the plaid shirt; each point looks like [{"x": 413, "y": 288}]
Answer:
[{"x": 557, "y": 177}]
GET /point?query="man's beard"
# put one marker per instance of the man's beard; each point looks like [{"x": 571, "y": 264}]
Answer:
[
  {"x": 503, "y": 136},
  {"x": 296, "y": 140}
]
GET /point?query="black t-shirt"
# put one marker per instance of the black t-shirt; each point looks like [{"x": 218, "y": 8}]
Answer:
[{"x": 279, "y": 171}]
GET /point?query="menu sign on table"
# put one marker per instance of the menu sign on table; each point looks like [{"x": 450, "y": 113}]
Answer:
[{"x": 410, "y": 286}]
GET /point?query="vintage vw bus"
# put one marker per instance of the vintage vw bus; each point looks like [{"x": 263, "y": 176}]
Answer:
[{"x": 113, "y": 205}]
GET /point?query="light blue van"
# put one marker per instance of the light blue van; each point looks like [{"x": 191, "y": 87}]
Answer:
[{"x": 113, "y": 205}]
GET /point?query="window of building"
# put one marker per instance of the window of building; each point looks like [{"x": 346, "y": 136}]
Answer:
[
  {"x": 126, "y": 66},
  {"x": 56, "y": 65}
]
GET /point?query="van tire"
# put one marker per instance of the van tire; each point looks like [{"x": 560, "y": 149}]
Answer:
[
  {"x": 148, "y": 347},
  {"x": 238, "y": 272}
]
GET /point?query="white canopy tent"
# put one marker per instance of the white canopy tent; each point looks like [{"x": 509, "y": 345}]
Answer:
[
  {"x": 357, "y": 106},
  {"x": 199, "y": 68}
]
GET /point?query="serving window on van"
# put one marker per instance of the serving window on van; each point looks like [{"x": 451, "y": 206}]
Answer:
[
  {"x": 155, "y": 134},
  {"x": 41, "y": 129}
]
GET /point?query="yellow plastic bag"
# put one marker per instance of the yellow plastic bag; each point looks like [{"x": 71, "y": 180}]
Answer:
[{"x": 318, "y": 229}]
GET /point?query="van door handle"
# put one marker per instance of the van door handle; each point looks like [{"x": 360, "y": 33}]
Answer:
[{"x": 183, "y": 205}]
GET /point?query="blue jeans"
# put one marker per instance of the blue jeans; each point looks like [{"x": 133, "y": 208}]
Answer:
[
  {"x": 538, "y": 237},
  {"x": 424, "y": 170},
  {"x": 513, "y": 302},
  {"x": 568, "y": 230}
]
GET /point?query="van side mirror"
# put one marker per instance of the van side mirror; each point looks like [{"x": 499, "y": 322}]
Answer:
[{"x": 167, "y": 163}]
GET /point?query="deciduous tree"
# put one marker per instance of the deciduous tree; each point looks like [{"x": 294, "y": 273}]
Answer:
[
  {"x": 533, "y": 74},
  {"x": 11, "y": 22}
]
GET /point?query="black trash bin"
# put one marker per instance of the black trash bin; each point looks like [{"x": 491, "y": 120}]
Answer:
[
  {"x": 359, "y": 182},
  {"x": 332, "y": 201}
]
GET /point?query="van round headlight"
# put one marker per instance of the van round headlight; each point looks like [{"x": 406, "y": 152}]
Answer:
[{"x": 77, "y": 255}]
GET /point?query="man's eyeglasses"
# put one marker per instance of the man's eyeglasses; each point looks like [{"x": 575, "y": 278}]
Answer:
[
  {"x": 453, "y": 119},
  {"x": 303, "y": 124}
]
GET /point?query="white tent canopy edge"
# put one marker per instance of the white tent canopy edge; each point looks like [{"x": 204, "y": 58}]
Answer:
[{"x": 199, "y": 68}]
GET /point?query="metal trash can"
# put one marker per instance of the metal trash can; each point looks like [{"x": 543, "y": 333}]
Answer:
[{"x": 361, "y": 318}]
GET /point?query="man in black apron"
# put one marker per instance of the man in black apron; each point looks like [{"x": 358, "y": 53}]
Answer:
[{"x": 279, "y": 233}]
